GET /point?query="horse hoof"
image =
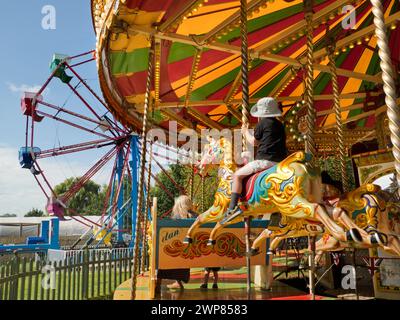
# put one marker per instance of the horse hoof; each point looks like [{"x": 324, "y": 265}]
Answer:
[
  {"x": 353, "y": 235},
  {"x": 211, "y": 242},
  {"x": 378, "y": 238},
  {"x": 271, "y": 252},
  {"x": 187, "y": 240},
  {"x": 252, "y": 252}
]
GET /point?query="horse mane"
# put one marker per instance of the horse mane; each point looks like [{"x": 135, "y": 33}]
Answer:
[{"x": 228, "y": 151}]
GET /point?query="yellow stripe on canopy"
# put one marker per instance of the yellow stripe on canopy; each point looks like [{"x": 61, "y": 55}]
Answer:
[
  {"x": 353, "y": 85},
  {"x": 207, "y": 18},
  {"x": 141, "y": 18}
]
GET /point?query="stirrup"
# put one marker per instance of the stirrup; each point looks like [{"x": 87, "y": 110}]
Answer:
[
  {"x": 253, "y": 252},
  {"x": 231, "y": 214},
  {"x": 271, "y": 252}
]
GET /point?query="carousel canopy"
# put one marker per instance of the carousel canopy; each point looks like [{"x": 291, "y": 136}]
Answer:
[{"x": 197, "y": 77}]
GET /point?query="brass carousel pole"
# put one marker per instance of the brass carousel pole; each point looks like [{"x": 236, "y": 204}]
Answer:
[
  {"x": 202, "y": 195},
  {"x": 141, "y": 172},
  {"x": 192, "y": 169},
  {"x": 338, "y": 114},
  {"x": 389, "y": 87},
  {"x": 191, "y": 186},
  {"x": 245, "y": 117},
  {"x": 310, "y": 146},
  {"x": 340, "y": 135},
  {"x": 145, "y": 216}
]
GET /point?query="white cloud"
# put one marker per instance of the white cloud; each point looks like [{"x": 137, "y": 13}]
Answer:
[
  {"x": 23, "y": 88},
  {"x": 19, "y": 191},
  {"x": 20, "y": 89}
]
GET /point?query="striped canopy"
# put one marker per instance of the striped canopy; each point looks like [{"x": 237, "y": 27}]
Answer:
[{"x": 197, "y": 79}]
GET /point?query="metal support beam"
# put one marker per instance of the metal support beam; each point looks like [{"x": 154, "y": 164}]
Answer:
[
  {"x": 301, "y": 25},
  {"x": 232, "y": 20},
  {"x": 132, "y": 30},
  {"x": 354, "y": 37},
  {"x": 179, "y": 104},
  {"x": 178, "y": 17},
  {"x": 193, "y": 74},
  {"x": 120, "y": 200}
]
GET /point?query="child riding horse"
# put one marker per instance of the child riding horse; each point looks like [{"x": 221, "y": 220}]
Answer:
[{"x": 270, "y": 138}]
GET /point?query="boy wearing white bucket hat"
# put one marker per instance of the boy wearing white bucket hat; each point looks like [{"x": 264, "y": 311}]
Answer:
[{"x": 270, "y": 138}]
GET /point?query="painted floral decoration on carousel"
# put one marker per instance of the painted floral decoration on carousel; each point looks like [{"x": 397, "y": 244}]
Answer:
[{"x": 227, "y": 245}]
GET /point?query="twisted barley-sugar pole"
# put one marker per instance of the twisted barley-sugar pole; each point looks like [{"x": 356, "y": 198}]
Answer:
[
  {"x": 192, "y": 169},
  {"x": 310, "y": 120},
  {"x": 245, "y": 69},
  {"x": 145, "y": 215},
  {"x": 389, "y": 87},
  {"x": 191, "y": 185},
  {"x": 141, "y": 172},
  {"x": 203, "y": 207},
  {"x": 245, "y": 116},
  {"x": 309, "y": 90},
  {"x": 338, "y": 114}
]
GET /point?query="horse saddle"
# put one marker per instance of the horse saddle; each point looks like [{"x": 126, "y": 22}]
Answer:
[{"x": 253, "y": 183}]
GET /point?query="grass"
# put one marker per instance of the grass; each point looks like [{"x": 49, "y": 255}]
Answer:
[{"x": 68, "y": 285}]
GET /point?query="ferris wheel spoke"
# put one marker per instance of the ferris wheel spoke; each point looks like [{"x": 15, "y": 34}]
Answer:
[
  {"x": 74, "y": 148},
  {"x": 73, "y": 125},
  {"x": 70, "y": 67},
  {"x": 80, "y": 63},
  {"x": 120, "y": 183},
  {"x": 46, "y": 181},
  {"x": 109, "y": 187},
  {"x": 104, "y": 124},
  {"x": 88, "y": 175},
  {"x": 84, "y": 101}
]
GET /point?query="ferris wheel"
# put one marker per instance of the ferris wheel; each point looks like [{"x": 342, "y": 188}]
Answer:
[{"x": 88, "y": 120}]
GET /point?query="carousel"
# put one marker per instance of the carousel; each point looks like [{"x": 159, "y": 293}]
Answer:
[{"x": 198, "y": 65}]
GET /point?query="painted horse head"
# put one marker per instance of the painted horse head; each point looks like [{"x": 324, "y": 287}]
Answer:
[{"x": 218, "y": 152}]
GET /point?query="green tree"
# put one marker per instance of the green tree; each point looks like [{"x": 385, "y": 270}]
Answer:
[
  {"x": 181, "y": 175},
  {"x": 177, "y": 172},
  {"x": 89, "y": 200},
  {"x": 8, "y": 215},
  {"x": 35, "y": 213}
]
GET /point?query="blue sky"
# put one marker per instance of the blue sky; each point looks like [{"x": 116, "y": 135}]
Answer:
[{"x": 26, "y": 51}]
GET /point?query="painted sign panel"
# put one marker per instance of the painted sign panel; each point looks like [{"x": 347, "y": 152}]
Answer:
[{"x": 228, "y": 251}]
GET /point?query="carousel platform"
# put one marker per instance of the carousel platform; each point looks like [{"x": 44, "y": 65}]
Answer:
[{"x": 231, "y": 286}]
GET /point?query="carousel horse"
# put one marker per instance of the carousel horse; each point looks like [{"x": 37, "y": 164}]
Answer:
[
  {"x": 363, "y": 209},
  {"x": 289, "y": 187}
]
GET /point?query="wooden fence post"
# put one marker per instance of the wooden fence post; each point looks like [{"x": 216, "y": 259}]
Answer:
[
  {"x": 153, "y": 276},
  {"x": 85, "y": 275}
]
